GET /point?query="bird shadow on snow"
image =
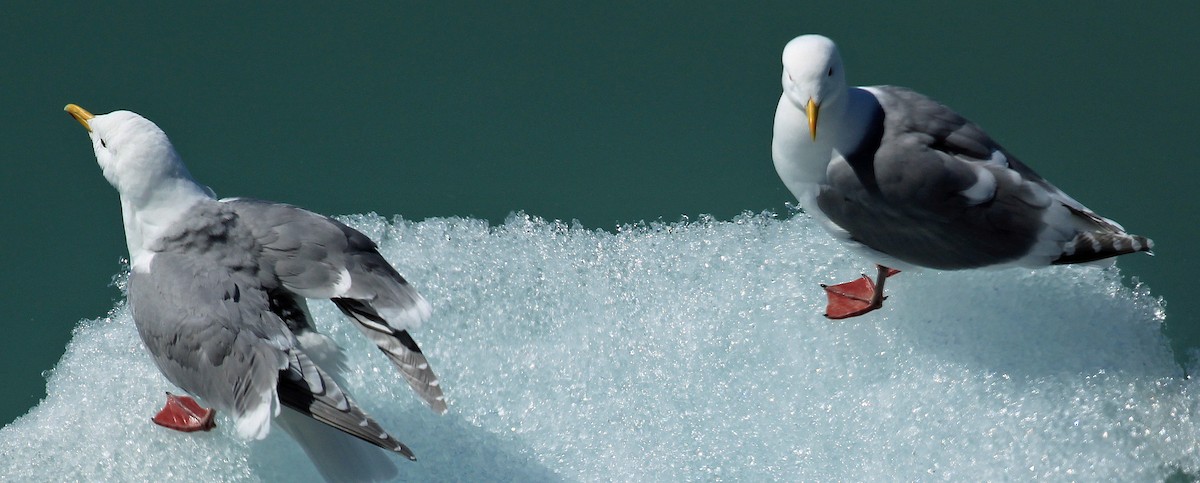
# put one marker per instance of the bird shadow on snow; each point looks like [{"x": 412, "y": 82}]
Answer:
[
  {"x": 448, "y": 448},
  {"x": 1067, "y": 320}
]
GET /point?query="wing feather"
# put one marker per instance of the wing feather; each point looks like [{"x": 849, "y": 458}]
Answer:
[{"x": 318, "y": 257}]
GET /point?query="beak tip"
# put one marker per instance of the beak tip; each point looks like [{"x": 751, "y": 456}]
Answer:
[{"x": 80, "y": 114}]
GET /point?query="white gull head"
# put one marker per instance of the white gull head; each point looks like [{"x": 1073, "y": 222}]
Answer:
[
  {"x": 814, "y": 79},
  {"x": 140, "y": 162},
  {"x": 810, "y": 113}
]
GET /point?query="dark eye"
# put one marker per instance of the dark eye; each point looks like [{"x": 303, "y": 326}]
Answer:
[
  {"x": 103, "y": 144},
  {"x": 830, "y": 72}
]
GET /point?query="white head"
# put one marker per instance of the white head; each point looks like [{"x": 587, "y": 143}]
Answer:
[
  {"x": 134, "y": 154},
  {"x": 139, "y": 161},
  {"x": 813, "y": 77},
  {"x": 132, "y": 151}
]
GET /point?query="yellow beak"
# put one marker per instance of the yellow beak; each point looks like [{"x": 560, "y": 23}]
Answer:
[
  {"x": 80, "y": 114},
  {"x": 812, "y": 110}
]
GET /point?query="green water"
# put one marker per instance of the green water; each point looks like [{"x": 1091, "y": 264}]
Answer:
[{"x": 607, "y": 113}]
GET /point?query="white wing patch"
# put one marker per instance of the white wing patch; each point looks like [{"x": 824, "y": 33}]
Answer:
[
  {"x": 984, "y": 188},
  {"x": 256, "y": 423},
  {"x": 410, "y": 317},
  {"x": 998, "y": 159},
  {"x": 344, "y": 282},
  {"x": 141, "y": 261}
]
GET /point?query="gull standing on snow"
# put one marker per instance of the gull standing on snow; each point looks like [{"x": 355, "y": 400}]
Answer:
[
  {"x": 218, "y": 289},
  {"x": 913, "y": 184}
]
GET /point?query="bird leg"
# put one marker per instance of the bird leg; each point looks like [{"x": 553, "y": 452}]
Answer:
[
  {"x": 851, "y": 299},
  {"x": 183, "y": 413}
]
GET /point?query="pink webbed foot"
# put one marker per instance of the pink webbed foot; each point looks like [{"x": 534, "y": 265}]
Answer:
[
  {"x": 851, "y": 299},
  {"x": 183, "y": 413}
]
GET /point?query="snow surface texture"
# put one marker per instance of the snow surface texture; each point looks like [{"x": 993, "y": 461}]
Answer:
[{"x": 685, "y": 351}]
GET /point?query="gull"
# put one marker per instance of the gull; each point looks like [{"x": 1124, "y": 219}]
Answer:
[
  {"x": 218, "y": 293},
  {"x": 909, "y": 183}
]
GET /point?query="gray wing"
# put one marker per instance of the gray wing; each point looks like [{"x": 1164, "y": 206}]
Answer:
[
  {"x": 305, "y": 388},
  {"x": 210, "y": 332},
  {"x": 316, "y": 256},
  {"x": 928, "y": 187}
]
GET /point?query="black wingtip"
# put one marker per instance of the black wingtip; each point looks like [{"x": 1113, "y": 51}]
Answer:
[
  {"x": 404, "y": 451},
  {"x": 1094, "y": 246}
]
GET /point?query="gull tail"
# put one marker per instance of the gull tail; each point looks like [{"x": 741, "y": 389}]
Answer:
[
  {"x": 1093, "y": 246},
  {"x": 1098, "y": 238},
  {"x": 306, "y": 389},
  {"x": 400, "y": 348}
]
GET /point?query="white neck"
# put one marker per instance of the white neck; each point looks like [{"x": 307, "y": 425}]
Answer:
[
  {"x": 149, "y": 217},
  {"x": 800, "y": 160}
]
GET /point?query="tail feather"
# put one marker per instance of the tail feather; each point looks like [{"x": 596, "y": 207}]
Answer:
[
  {"x": 1093, "y": 246},
  {"x": 1097, "y": 237},
  {"x": 305, "y": 388},
  {"x": 400, "y": 347}
]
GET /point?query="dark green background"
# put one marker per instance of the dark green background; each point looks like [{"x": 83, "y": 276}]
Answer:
[{"x": 603, "y": 112}]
